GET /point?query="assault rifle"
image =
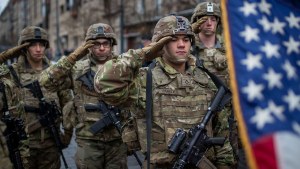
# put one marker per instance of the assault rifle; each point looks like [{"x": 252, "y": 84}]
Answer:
[
  {"x": 110, "y": 117},
  {"x": 48, "y": 113},
  {"x": 193, "y": 148},
  {"x": 14, "y": 132}
]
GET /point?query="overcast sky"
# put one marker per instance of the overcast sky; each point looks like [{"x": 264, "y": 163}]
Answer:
[{"x": 3, "y": 3}]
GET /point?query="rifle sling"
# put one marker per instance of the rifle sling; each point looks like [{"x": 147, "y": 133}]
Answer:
[
  {"x": 15, "y": 76},
  {"x": 149, "y": 110}
]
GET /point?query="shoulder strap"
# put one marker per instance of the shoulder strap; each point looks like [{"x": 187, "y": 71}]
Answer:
[
  {"x": 149, "y": 111},
  {"x": 15, "y": 76}
]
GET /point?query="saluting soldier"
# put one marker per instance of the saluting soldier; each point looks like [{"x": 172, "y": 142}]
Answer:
[
  {"x": 105, "y": 149},
  {"x": 180, "y": 90},
  {"x": 39, "y": 150}
]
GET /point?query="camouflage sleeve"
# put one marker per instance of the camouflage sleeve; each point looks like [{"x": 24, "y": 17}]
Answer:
[
  {"x": 57, "y": 76},
  {"x": 12, "y": 92},
  {"x": 220, "y": 61},
  {"x": 4, "y": 71},
  {"x": 66, "y": 98},
  {"x": 116, "y": 79}
]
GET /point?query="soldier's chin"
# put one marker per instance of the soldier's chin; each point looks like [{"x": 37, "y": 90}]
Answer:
[
  {"x": 208, "y": 32},
  {"x": 183, "y": 60},
  {"x": 102, "y": 58}
]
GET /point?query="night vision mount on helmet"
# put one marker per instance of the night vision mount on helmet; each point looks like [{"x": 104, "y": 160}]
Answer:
[
  {"x": 33, "y": 33},
  {"x": 101, "y": 30},
  {"x": 172, "y": 25}
]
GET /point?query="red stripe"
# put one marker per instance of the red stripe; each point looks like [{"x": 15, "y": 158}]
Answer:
[{"x": 264, "y": 152}]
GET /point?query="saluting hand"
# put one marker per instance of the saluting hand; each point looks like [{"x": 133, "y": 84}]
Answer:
[
  {"x": 13, "y": 52},
  {"x": 80, "y": 52},
  {"x": 197, "y": 25}
]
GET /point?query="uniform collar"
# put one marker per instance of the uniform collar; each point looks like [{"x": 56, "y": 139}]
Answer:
[{"x": 200, "y": 45}]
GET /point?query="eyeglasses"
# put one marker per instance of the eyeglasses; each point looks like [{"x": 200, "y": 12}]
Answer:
[{"x": 105, "y": 44}]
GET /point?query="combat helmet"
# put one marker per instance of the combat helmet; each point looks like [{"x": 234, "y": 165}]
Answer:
[
  {"x": 33, "y": 33},
  {"x": 172, "y": 25},
  {"x": 206, "y": 8},
  {"x": 101, "y": 30}
]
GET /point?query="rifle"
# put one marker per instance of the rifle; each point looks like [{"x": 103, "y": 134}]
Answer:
[
  {"x": 14, "y": 132},
  {"x": 110, "y": 117},
  {"x": 48, "y": 113},
  {"x": 193, "y": 148},
  {"x": 88, "y": 79}
]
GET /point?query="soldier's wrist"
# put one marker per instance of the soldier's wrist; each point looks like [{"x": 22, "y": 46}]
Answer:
[{"x": 70, "y": 60}]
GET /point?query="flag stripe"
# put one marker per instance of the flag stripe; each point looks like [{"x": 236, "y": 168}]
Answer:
[
  {"x": 288, "y": 150},
  {"x": 265, "y": 160}
]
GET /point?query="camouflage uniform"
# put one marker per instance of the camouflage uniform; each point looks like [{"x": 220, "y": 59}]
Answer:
[
  {"x": 4, "y": 155},
  {"x": 214, "y": 59},
  {"x": 105, "y": 149},
  {"x": 39, "y": 151},
  {"x": 179, "y": 100},
  {"x": 9, "y": 88}
]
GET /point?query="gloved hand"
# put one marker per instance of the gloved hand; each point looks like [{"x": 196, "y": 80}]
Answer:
[
  {"x": 80, "y": 52},
  {"x": 66, "y": 138},
  {"x": 13, "y": 52},
  {"x": 151, "y": 51},
  {"x": 196, "y": 26}
]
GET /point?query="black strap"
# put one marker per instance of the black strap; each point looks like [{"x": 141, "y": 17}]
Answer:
[
  {"x": 15, "y": 76},
  {"x": 149, "y": 111}
]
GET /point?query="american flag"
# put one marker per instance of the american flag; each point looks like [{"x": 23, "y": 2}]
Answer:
[{"x": 262, "y": 39}]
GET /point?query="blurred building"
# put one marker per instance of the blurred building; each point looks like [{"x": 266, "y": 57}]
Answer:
[{"x": 130, "y": 19}]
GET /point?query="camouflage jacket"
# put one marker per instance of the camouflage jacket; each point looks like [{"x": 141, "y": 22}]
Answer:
[
  {"x": 39, "y": 137},
  {"x": 214, "y": 59},
  {"x": 82, "y": 78},
  {"x": 178, "y": 100}
]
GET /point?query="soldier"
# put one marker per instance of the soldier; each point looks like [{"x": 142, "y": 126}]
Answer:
[
  {"x": 4, "y": 56},
  {"x": 4, "y": 155},
  {"x": 206, "y": 21},
  {"x": 40, "y": 150},
  {"x": 105, "y": 149},
  {"x": 177, "y": 87}
]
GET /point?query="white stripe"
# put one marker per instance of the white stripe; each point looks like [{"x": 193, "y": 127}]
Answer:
[{"x": 287, "y": 148}]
